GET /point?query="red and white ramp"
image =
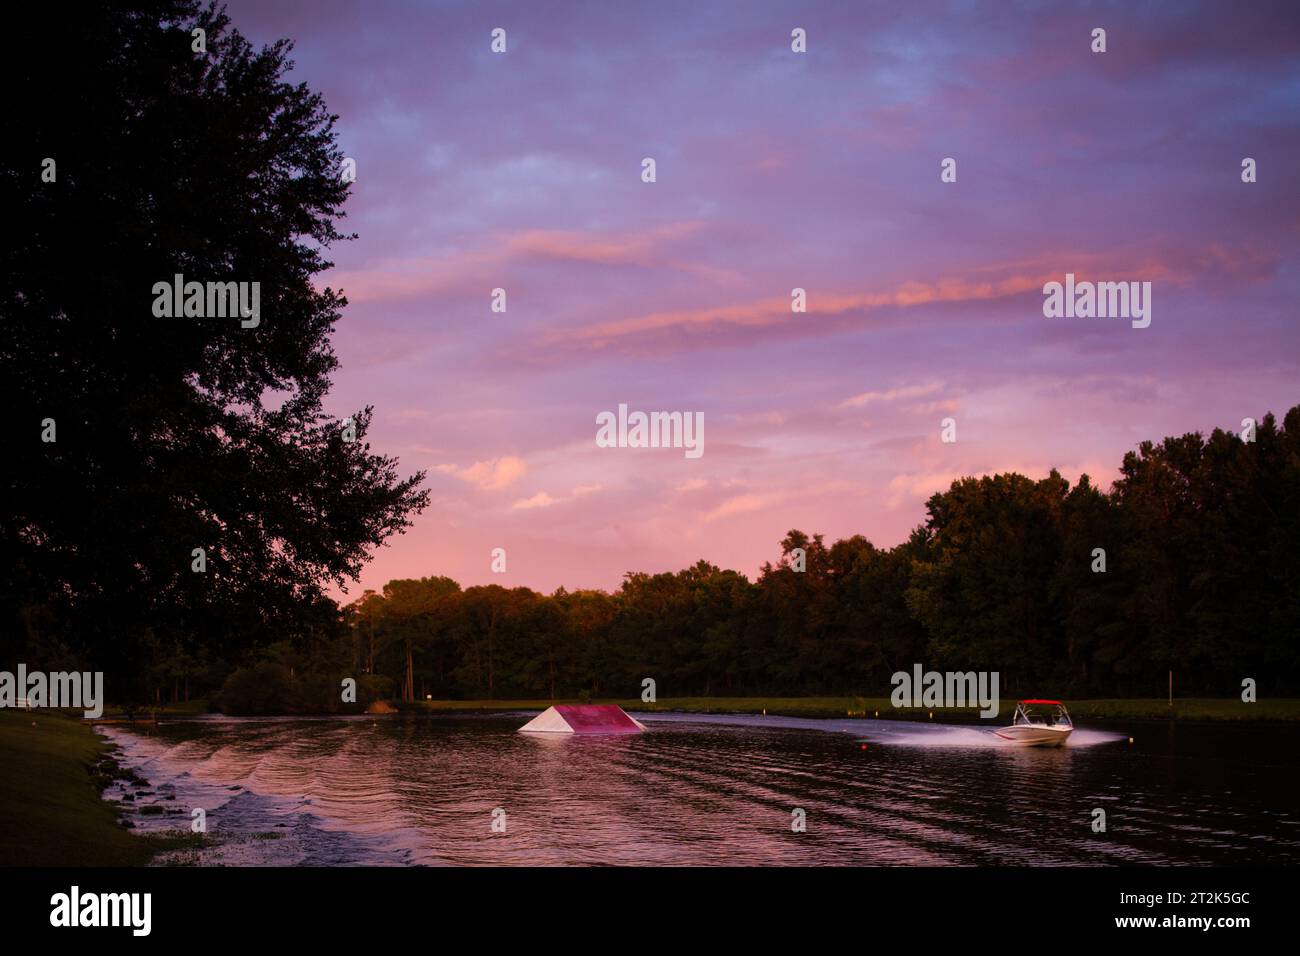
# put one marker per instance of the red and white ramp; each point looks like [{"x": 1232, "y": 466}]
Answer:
[{"x": 583, "y": 719}]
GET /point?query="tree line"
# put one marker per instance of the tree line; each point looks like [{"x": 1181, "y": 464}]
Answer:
[{"x": 1189, "y": 563}]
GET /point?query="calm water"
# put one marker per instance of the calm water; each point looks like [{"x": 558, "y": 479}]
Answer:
[{"x": 701, "y": 790}]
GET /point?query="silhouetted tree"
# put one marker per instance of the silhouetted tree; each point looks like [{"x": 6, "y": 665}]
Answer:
[{"x": 172, "y": 434}]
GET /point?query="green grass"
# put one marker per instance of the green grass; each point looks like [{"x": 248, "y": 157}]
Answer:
[
  {"x": 791, "y": 706},
  {"x": 1192, "y": 708},
  {"x": 454, "y": 706},
  {"x": 1143, "y": 709},
  {"x": 1112, "y": 709},
  {"x": 51, "y": 813},
  {"x": 187, "y": 708}
]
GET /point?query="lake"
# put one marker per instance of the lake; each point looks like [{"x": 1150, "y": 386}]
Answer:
[{"x": 708, "y": 790}]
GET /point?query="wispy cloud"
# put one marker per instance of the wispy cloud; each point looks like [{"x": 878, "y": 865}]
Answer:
[
  {"x": 483, "y": 267},
  {"x": 491, "y": 475},
  {"x": 890, "y": 395},
  {"x": 544, "y": 500}
]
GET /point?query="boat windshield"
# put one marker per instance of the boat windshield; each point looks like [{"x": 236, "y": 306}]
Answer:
[{"x": 1043, "y": 715}]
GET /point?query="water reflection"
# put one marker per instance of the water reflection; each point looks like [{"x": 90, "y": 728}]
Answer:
[{"x": 715, "y": 790}]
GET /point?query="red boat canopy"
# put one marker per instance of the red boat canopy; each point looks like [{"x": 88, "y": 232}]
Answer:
[{"x": 1056, "y": 702}]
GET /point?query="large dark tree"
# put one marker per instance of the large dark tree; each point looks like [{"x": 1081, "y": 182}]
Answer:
[{"x": 171, "y": 433}]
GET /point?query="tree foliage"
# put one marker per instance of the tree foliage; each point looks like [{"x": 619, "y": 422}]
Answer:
[
  {"x": 171, "y": 433},
  {"x": 1202, "y": 577}
]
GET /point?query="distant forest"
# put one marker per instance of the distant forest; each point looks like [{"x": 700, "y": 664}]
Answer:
[{"x": 1202, "y": 577}]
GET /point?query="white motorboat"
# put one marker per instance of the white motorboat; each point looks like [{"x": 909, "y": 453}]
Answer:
[{"x": 1038, "y": 723}]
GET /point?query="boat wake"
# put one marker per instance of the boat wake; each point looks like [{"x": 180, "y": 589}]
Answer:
[
  {"x": 901, "y": 733},
  {"x": 246, "y": 825},
  {"x": 923, "y": 735}
]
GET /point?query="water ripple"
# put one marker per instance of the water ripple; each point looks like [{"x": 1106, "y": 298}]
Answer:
[{"x": 714, "y": 790}]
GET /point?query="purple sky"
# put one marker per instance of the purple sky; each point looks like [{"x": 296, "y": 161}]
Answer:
[{"x": 776, "y": 170}]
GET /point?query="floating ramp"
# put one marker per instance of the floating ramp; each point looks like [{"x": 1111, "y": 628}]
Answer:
[{"x": 583, "y": 719}]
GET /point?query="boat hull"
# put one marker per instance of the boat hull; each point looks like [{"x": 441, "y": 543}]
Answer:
[{"x": 1031, "y": 736}]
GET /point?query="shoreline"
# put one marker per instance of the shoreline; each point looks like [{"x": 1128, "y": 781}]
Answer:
[
  {"x": 52, "y": 806},
  {"x": 1207, "y": 709},
  {"x": 1188, "y": 710},
  {"x": 245, "y": 826}
]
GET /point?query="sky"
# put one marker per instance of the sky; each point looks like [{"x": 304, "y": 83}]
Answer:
[{"x": 778, "y": 170}]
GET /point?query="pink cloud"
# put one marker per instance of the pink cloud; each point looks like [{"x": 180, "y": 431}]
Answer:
[{"x": 491, "y": 475}]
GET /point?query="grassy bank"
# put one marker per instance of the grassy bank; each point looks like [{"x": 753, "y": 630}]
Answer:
[
  {"x": 1192, "y": 708},
  {"x": 1111, "y": 709},
  {"x": 187, "y": 708},
  {"x": 51, "y": 813}
]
